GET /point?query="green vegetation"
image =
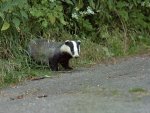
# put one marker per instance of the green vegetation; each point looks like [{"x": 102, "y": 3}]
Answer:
[{"x": 107, "y": 28}]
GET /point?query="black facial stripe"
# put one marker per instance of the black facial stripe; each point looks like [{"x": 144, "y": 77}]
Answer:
[
  {"x": 70, "y": 44},
  {"x": 78, "y": 48},
  {"x": 78, "y": 44}
]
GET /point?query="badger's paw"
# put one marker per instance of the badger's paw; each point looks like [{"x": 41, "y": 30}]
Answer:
[{"x": 68, "y": 68}]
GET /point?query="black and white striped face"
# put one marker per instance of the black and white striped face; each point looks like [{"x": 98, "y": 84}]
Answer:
[{"x": 71, "y": 47}]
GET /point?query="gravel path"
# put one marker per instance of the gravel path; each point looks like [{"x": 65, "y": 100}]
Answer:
[{"x": 123, "y": 87}]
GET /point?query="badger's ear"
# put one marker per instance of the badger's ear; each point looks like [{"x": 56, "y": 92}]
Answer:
[
  {"x": 78, "y": 41},
  {"x": 67, "y": 42}
]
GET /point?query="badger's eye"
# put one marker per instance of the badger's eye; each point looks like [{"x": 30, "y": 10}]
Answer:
[{"x": 71, "y": 48}]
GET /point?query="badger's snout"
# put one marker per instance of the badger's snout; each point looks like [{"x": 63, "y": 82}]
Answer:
[{"x": 76, "y": 56}]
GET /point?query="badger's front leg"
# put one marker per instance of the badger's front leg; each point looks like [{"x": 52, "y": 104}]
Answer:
[{"x": 65, "y": 64}]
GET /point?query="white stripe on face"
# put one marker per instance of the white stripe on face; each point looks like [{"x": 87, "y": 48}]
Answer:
[
  {"x": 65, "y": 48},
  {"x": 75, "y": 49}
]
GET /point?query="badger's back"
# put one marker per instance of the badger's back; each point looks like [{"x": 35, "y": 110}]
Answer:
[{"x": 41, "y": 49}]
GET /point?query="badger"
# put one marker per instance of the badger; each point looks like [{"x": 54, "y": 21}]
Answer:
[{"x": 54, "y": 53}]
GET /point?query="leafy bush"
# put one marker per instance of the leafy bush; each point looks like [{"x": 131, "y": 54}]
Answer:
[
  {"x": 13, "y": 14},
  {"x": 76, "y": 16}
]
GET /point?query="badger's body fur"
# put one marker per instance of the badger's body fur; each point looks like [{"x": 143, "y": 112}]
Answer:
[{"x": 53, "y": 53}]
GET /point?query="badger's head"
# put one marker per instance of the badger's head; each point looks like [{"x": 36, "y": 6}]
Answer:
[{"x": 71, "y": 47}]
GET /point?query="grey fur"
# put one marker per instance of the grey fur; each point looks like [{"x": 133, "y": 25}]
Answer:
[{"x": 41, "y": 50}]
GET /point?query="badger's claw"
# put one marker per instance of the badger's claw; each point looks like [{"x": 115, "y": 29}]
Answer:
[{"x": 68, "y": 68}]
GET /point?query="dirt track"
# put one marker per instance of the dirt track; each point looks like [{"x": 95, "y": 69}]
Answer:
[{"x": 120, "y": 88}]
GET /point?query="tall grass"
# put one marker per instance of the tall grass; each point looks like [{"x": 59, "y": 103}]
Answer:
[{"x": 15, "y": 63}]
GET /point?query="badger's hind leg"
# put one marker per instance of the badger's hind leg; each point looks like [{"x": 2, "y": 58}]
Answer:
[{"x": 53, "y": 65}]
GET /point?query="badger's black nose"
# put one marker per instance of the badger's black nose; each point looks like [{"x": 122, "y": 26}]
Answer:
[{"x": 76, "y": 57}]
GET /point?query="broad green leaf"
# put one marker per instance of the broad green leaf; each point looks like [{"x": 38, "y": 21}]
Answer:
[
  {"x": 58, "y": 8},
  {"x": 6, "y": 6},
  {"x": 44, "y": 23},
  {"x": 52, "y": 18},
  {"x": 87, "y": 25},
  {"x": 24, "y": 14},
  {"x": 2, "y": 15},
  {"x": 63, "y": 21},
  {"x": 36, "y": 12},
  {"x": 19, "y": 3},
  {"x": 135, "y": 2},
  {"x": 92, "y": 4},
  {"x": 44, "y": 1},
  {"x": 140, "y": 22},
  {"x": 80, "y": 4},
  {"x": 124, "y": 14},
  {"x": 5, "y": 26},
  {"x": 110, "y": 4},
  {"x": 16, "y": 22},
  {"x": 121, "y": 4},
  {"x": 69, "y": 2}
]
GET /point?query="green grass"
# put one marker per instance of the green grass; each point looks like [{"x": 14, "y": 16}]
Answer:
[{"x": 13, "y": 72}]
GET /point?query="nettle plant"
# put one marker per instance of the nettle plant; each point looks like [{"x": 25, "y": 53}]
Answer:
[
  {"x": 13, "y": 13},
  {"x": 48, "y": 12},
  {"x": 81, "y": 18},
  {"x": 69, "y": 15}
]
